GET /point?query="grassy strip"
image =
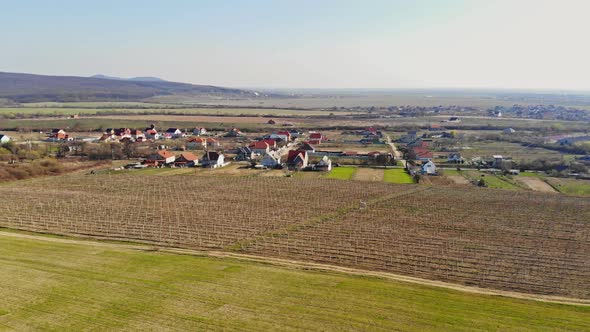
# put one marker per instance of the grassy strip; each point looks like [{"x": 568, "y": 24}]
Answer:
[
  {"x": 397, "y": 175},
  {"x": 342, "y": 173},
  {"x": 57, "y": 286}
]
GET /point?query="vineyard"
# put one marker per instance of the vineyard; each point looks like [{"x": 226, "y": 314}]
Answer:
[{"x": 520, "y": 241}]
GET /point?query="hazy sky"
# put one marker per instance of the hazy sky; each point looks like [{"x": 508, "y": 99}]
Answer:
[{"x": 305, "y": 43}]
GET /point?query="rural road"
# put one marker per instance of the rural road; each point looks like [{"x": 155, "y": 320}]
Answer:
[{"x": 296, "y": 265}]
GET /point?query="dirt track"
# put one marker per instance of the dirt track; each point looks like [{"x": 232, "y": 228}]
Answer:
[
  {"x": 536, "y": 184},
  {"x": 299, "y": 265}
]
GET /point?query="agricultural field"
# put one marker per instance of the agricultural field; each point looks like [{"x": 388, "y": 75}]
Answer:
[
  {"x": 108, "y": 109},
  {"x": 492, "y": 180},
  {"x": 342, "y": 173},
  {"x": 497, "y": 239},
  {"x": 397, "y": 175},
  {"x": 103, "y": 286},
  {"x": 517, "y": 151},
  {"x": 570, "y": 186}
]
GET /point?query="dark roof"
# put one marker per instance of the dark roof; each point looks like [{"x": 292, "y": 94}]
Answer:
[
  {"x": 171, "y": 130},
  {"x": 211, "y": 155}
]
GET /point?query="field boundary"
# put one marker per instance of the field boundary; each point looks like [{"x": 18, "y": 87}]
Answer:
[{"x": 294, "y": 264}]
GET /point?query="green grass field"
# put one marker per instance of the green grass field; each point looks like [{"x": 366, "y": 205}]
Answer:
[
  {"x": 570, "y": 186},
  {"x": 74, "y": 287},
  {"x": 342, "y": 173},
  {"x": 397, "y": 175}
]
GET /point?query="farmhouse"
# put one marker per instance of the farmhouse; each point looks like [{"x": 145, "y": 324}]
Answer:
[
  {"x": 58, "y": 135},
  {"x": 271, "y": 160},
  {"x": 234, "y": 132},
  {"x": 244, "y": 153},
  {"x": 297, "y": 159},
  {"x": 199, "y": 131},
  {"x": 409, "y": 137},
  {"x": 4, "y": 139},
  {"x": 173, "y": 133},
  {"x": 285, "y": 133},
  {"x": 260, "y": 147},
  {"x": 428, "y": 168},
  {"x": 324, "y": 165},
  {"x": 160, "y": 158},
  {"x": 186, "y": 159},
  {"x": 318, "y": 137},
  {"x": 212, "y": 159},
  {"x": 307, "y": 147},
  {"x": 152, "y": 133}
]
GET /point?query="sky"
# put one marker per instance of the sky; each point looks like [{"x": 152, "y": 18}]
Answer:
[{"x": 527, "y": 44}]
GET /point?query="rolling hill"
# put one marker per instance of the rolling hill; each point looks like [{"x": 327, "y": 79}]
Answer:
[{"x": 19, "y": 87}]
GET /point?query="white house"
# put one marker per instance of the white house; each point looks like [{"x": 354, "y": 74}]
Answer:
[
  {"x": 271, "y": 159},
  {"x": 509, "y": 131},
  {"x": 199, "y": 131},
  {"x": 4, "y": 139},
  {"x": 429, "y": 168},
  {"x": 212, "y": 159},
  {"x": 455, "y": 158},
  {"x": 173, "y": 133},
  {"x": 324, "y": 165}
]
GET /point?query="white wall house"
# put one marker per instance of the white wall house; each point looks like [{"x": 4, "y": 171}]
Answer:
[
  {"x": 4, "y": 139},
  {"x": 429, "y": 168}
]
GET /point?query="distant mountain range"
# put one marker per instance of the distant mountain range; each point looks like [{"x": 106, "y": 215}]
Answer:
[
  {"x": 136, "y": 79},
  {"x": 37, "y": 88}
]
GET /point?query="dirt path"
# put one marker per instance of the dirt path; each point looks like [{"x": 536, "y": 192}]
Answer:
[
  {"x": 458, "y": 179},
  {"x": 536, "y": 184},
  {"x": 298, "y": 265},
  {"x": 368, "y": 174}
]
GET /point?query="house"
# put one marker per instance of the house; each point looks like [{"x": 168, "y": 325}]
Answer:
[
  {"x": 371, "y": 131},
  {"x": 195, "y": 143},
  {"x": 279, "y": 137},
  {"x": 285, "y": 133},
  {"x": 435, "y": 127},
  {"x": 173, "y": 133},
  {"x": 508, "y": 131},
  {"x": 58, "y": 135},
  {"x": 428, "y": 168},
  {"x": 212, "y": 159},
  {"x": 314, "y": 142},
  {"x": 409, "y": 137},
  {"x": 260, "y": 147},
  {"x": 234, "y": 132},
  {"x": 307, "y": 147},
  {"x": 199, "y": 131},
  {"x": 151, "y": 133},
  {"x": 244, "y": 153},
  {"x": 212, "y": 142},
  {"x": 271, "y": 160},
  {"x": 4, "y": 139},
  {"x": 455, "y": 158},
  {"x": 373, "y": 154},
  {"x": 295, "y": 133},
  {"x": 137, "y": 135},
  {"x": 160, "y": 158},
  {"x": 297, "y": 159},
  {"x": 422, "y": 154},
  {"x": 318, "y": 137},
  {"x": 324, "y": 165},
  {"x": 501, "y": 161},
  {"x": 186, "y": 159}
]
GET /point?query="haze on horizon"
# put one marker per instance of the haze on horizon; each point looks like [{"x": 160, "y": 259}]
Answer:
[{"x": 526, "y": 44}]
